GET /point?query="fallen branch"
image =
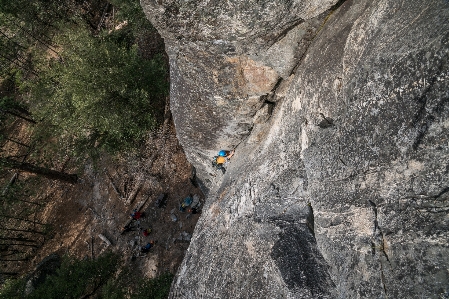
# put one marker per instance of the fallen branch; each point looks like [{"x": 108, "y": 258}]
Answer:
[
  {"x": 114, "y": 186},
  {"x": 105, "y": 239},
  {"x": 134, "y": 192},
  {"x": 11, "y": 182}
]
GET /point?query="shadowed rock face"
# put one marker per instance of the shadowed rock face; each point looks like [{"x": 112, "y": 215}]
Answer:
[{"x": 339, "y": 187}]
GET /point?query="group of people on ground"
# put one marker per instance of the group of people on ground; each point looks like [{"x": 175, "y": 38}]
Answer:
[
  {"x": 136, "y": 216},
  {"x": 219, "y": 162},
  {"x": 190, "y": 205}
]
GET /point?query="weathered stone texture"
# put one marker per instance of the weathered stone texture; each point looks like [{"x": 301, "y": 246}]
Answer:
[
  {"x": 340, "y": 113},
  {"x": 224, "y": 60}
]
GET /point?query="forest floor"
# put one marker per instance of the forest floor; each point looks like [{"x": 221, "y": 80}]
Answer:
[
  {"x": 74, "y": 219},
  {"x": 99, "y": 205}
]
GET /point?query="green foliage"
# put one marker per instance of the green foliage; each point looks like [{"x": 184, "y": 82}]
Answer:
[
  {"x": 157, "y": 288},
  {"x": 38, "y": 16},
  {"x": 147, "y": 288},
  {"x": 102, "y": 277},
  {"x": 131, "y": 11},
  {"x": 26, "y": 29},
  {"x": 76, "y": 278},
  {"x": 113, "y": 290},
  {"x": 97, "y": 93},
  {"x": 9, "y": 104},
  {"x": 101, "y": 94},
  {"x": 12, "y": 289},
  {"x": 137, "y": 27},
  {"x": 89, "y": 91}
]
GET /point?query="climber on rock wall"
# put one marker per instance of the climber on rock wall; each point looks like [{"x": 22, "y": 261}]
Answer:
[{"x": 220, "y": 161}]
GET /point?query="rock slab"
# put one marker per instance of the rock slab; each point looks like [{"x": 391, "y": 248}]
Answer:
[{"x": 339, "y": 113}]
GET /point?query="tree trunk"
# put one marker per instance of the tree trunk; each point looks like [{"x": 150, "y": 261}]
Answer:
[
  {"x": 18, "y": 239},
  {"x": 36, "y": 38},
  {"x": 20, "y": 116},
  {"x": 21, "y": 219},
  {"x": 11, "y": 181},
  {"x": 9, "y": 273},
  {"x": 32, "y": 231},
  {"x": 17, "y": 142},
  {"x": 16, "y": 260},
  {"x": 17, "y": 244},
  {"x": 48, "y": 173}
]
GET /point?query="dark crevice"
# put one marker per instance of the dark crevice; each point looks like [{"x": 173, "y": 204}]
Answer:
[
  {"x": 329, "y": 13},
  {"x": 382, "y": 279},
  {"x": 428, "y": 207},
  {"x": 420, "y": 116},
  {"x": 376, "y": 224},
  {"x": 423, "y": 101},
  {"x": 326, "y": 122},
  {"x": 310, "y": 221},
  {"x": 339, "y": 153},
  {"x": 193, "y": 178},
  {"x": 379, "y": 239},
  {"x": 424, "y": 118},
  {"x": 336, "y": 5},
  {"x": 271, "y": 106},
  {"x": 286, "y": 30},
  {"x": 383, "y": 245},
  {"x": 277, "y": 85},
  {"x": 296, "y": 253},
  {"x": 295, "y": 68},
  {"x": 436, "y": 209},
  {"x": 300, "y": 263},
  {"x": 269, "y": 98},
  {"x": 426, "y": 196},
  {"x": 444, "y": 191}
]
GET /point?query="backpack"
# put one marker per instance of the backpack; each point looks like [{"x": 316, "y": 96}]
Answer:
[{"x": 215, "y": 164}]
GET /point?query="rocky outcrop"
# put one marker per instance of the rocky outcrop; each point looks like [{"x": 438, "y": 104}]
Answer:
[{"x": 340, "y": 116}]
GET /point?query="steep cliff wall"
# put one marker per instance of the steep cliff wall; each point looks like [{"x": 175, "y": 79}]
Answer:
[{"x": 340, "y": 115}]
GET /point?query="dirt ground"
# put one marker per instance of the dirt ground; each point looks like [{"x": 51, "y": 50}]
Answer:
[
  {"x": 99, "y": 205},
  {"x": 76, "y": 217}
]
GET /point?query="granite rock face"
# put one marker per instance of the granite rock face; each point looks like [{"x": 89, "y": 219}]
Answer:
[
  {"x": 339, "y": 113},
  {"x": 224, "y": 61}
]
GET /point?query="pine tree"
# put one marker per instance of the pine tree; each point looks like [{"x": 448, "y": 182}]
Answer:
[{"x": 101, "y": 93}]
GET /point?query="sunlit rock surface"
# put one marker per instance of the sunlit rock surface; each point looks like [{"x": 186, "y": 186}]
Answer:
[{"x": 339, "y": 113}]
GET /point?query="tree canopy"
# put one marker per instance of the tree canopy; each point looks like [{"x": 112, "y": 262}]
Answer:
[
  {"x": 75, "y": 82},
  {"x": 82, "y": 278},
  {"x": 100, "y": 93},
  {"x": 85, "y": 84}
]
